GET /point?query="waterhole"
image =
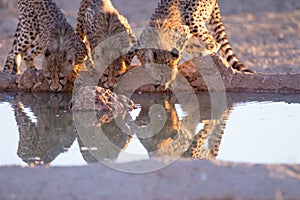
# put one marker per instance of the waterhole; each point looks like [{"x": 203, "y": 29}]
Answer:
[{"x": 39, "y": 129}]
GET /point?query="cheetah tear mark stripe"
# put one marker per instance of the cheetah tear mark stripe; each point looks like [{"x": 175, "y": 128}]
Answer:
[{"x": 219, "y": 34}]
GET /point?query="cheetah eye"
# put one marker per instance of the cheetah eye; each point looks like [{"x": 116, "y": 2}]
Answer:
[
  {"x": 48, "y": 78},
  {"x": 61, "y": 78}
]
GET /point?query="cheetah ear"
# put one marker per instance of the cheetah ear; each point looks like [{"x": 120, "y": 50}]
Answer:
[{"x": 47, "y": 53}]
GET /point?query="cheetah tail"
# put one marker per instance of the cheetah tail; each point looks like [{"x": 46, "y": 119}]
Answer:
[{"x": 220, "y": 36}]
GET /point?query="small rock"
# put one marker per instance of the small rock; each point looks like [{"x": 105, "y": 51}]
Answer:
[{"x": 106, "y": 103}]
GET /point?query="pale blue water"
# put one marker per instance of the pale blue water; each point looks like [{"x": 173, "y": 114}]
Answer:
[{"x": 261, "y": 128}]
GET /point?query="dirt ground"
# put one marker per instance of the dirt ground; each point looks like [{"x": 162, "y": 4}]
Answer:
[
  {"x": 265, "y": 34},
  {"x": 183, "y": 180}
]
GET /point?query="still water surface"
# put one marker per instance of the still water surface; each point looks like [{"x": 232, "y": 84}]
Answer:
[{"x": 255, "y": 128}]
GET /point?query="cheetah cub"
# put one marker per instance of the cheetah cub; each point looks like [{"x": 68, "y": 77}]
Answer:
[
  {"x": 43, "y": 29},
  {"x": 162, "y": 43},
  {"x": 196, "y": 14},
  {"x": 99, "y": 22}
]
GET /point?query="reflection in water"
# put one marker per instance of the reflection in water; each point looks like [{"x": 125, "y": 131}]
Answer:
[
  {"x": 51, "y": 133},
  {"x": 212, "y": 132},
  {"x": 95, "y": 145},
  {"x": 106, "y": 140},
  {"x": 177, "y": 138},
  {"x": 47, "y": 128}
]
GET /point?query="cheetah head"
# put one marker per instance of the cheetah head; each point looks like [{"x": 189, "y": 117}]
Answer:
[{"x": 58, "y": 67}]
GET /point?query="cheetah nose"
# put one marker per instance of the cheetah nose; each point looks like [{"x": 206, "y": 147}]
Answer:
[{"x": 55, "y": 88}]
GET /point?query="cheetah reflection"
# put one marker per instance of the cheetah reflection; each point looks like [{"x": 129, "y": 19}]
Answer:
[
  {"x": 169, "y": 142},
  {"x": 173, "y": 140},
  {"x": 46, "y": 128},
  {"x": 52, "y": 131},
  {"x": 103, "y": 147}
]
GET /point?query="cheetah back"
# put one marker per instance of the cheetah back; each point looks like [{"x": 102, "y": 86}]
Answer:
[{"x": 98, "y": 21}]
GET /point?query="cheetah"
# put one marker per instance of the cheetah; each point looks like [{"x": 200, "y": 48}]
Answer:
[
  {"x": 43, "y": 29},
  {"x": 99, "y": 21},
  {"x": 163, "y": 42},
  {"x": 196, "y": 14}
]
